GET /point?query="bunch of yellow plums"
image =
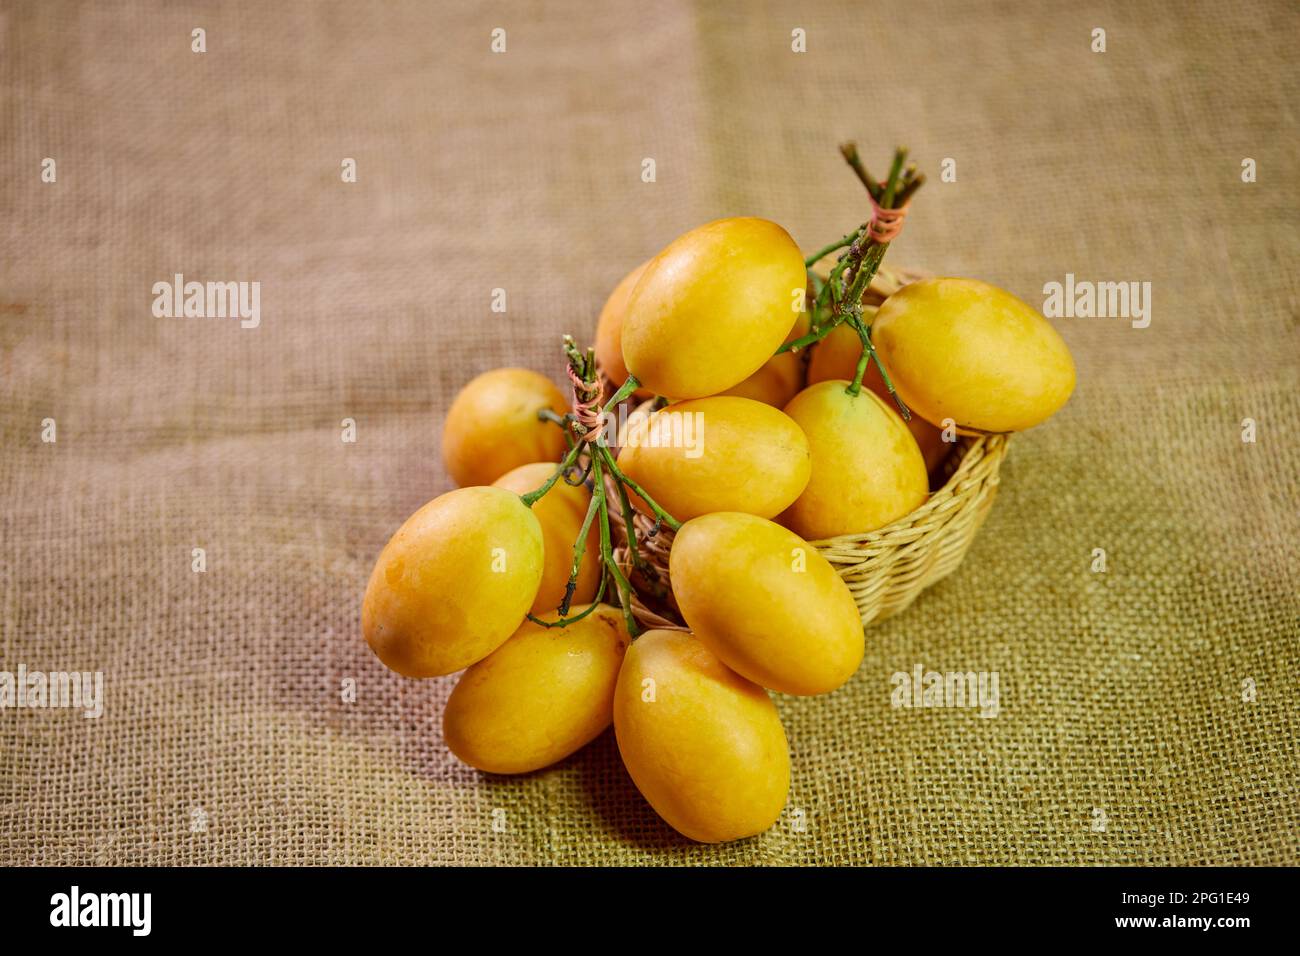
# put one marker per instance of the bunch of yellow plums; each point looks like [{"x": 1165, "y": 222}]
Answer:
[{"x": 752, "y": 451}]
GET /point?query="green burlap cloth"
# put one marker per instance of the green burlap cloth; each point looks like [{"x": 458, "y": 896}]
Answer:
[{"x": 1148, "y": 713}]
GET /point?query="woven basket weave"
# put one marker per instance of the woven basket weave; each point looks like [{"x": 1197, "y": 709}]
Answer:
[{"x": 886, "y": 569}]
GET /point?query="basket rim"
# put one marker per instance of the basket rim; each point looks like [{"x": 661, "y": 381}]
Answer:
[{"x": 986, "y": 450}]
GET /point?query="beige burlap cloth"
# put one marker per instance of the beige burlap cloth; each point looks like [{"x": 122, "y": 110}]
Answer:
[{"x": 1148, "y": 714}]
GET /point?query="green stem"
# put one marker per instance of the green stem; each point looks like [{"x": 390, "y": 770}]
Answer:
[
  {"x": 832, "y": 290},
  {"x": 869, "y": 354},
  {"x": 629, "y": 526},
  {"x": 580, "y": 545},
  {"x": 874, "y": 252},
  {"x": 586, "y": 370},
  {"x": 531, "y": 498},
  {"x": 884, "y": 372},
  {"x": 659, "y": 512},
  {"x": 621, "y": 584},
  {"x": 817, "y": 285},
  {"x": 815, "y": 336},
  {"x": 563, "y": 421},
  {"x": 856, "y": 385},
  {"x": 624, "y": 390},
  {"x": 863, "y": 261},
  {"x": 916, "y": 183},
  {"x": 566, "y": 621},
  {"x": 576, "y": 358},
  {"x": 821, "y": 254},
  {"x": 891, "y": 184},
  {"x": 812, "y": 338},
  {"x": 871, "y": 260},
  {"x": 850, "y": 153}
]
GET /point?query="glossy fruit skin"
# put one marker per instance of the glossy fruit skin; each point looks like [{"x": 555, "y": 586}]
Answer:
[
  {"x": 866, "y": 467},
  {"x": 708, "y": 752},
  {"x": 435, "y": 604},
  {"x": 763, "y": 600},
  {"x": 560, "y": 512},
  {"x": 780, "y": 378},
  {"x": 609, "y": 331},
  {"x": 712, "y": 307},
  {"x": 836, "y": 356},
  {"x": 748, "y": 457},
  {"x": 492, "y": 425},
  {"x": 969, "y": 351},
  {"x": 540, "y": 696}
]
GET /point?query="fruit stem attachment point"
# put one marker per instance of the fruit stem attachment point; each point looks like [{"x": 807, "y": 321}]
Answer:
[
  {"x": 821, "y": 254},
  {"x": 530, "y": 498},
  {"x": 869, "y": 354},
  {"x": 624, "y": 390},
  {"x": 566, "y": 621},
  {"x": 563, "y": 422},
  {"x": 855, "y": 387}
]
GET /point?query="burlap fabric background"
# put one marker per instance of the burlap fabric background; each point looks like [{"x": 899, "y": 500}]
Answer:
[{"x": 225, "y": 738}]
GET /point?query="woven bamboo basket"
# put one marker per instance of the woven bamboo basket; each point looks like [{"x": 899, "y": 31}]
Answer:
[{"x": 886, "y": 569}]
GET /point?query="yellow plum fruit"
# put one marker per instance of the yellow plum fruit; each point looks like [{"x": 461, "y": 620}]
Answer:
[
  {"x": 969, "y": 351},
  {"x": 836, "y": 356},
  {"x": 766, "y": 602},
  {"x": 780, "y": 377},
  {"x": 867, "y": 469},
  {"x": 609, "y": 331},
  {"x": 718, "y": 454},
  {"x": 453, "y": 582},
  {"x": 560, "y": 512},
  {"x": 712, "y": 307},
  {"x": 774, "y": 384},
  {"x": 492, "y": 425},
  {"x": 540, "y": 696},
  {"x": 703, "y": 745}
]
